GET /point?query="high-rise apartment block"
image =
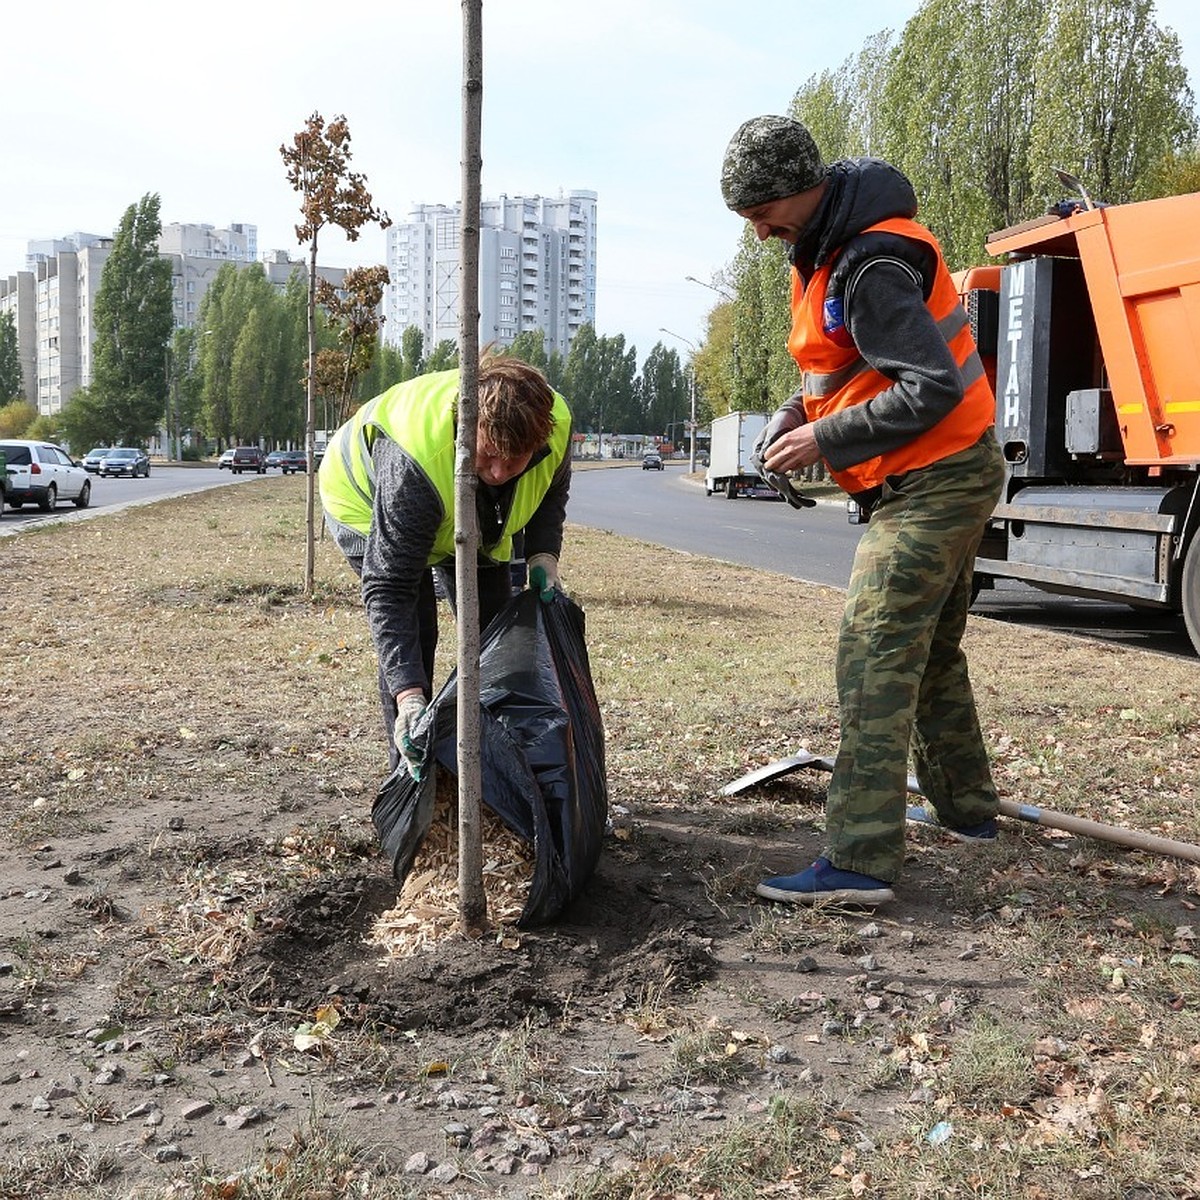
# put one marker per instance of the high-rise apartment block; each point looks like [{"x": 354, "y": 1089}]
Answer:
[
  {"x": 537, "y": 270},
  {"x": 53, "y": 300},
  {"x": 197, "y": 253},
  {"x": 51, "y": 304}
]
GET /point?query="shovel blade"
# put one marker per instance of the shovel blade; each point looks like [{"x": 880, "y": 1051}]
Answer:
[
  {"x": 776, "y": 770},
  {"x": 785, "y": 766}
]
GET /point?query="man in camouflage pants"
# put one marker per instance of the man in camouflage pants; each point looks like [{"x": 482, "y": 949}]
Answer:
[{"x": 895, "y": 400}]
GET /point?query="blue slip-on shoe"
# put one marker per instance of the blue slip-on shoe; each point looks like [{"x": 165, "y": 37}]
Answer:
[
  {"x": 823, "y": 883},
  {"x": 985, "y": 831}
]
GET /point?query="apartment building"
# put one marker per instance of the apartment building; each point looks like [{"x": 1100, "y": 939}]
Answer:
[
  {"x": 19, "y": 300},
  {"x": 53, "y": 300},
  {"x": 537, "y": 270},
  {"x": 197, "y": 253}
]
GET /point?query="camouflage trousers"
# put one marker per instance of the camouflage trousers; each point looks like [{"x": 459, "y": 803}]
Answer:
[{"x": 901, "y": 672}]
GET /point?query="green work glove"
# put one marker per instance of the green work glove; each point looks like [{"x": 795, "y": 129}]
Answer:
[
  {"x": 408, "y": 712},
  {"x": 543, "y": 576}
]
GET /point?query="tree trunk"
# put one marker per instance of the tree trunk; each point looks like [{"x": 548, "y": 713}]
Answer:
[
  {"x": 471, "y": 897},
  {"x": 310, "y": 411}
]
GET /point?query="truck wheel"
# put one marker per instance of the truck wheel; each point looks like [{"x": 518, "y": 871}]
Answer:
[
  {"x": 978, "y": 583},
  {"x": 730, "y": 489},
  {"x": 1189, "y": 591}
]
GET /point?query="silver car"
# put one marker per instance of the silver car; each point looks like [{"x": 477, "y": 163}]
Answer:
[
  {"x": 125, "y": 460},
  {"x": 91, "y": 460}
]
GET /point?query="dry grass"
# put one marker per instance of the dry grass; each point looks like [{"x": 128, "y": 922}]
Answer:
[{"x": 210, "y": 599}]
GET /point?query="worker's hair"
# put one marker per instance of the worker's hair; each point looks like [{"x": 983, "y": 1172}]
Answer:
[{"x": 515, "y": 406}]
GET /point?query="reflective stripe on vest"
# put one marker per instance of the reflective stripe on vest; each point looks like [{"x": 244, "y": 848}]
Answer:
[
  {"x": 949, "y": 327},
  {"x": 419, "y": 415},
  {"x": 834, "y": 376}
]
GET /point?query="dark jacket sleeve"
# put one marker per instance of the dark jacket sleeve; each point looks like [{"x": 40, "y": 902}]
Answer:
[
  {"x": 404, "y": 524},
  {"x": 897, "y": 335},
  {"x": 544, "y": 532}
]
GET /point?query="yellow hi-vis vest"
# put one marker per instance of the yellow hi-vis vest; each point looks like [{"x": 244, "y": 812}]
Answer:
[{"x": 419, "y": 416}]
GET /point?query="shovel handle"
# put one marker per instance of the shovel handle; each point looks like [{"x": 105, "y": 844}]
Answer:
[
  {"x": 1046, "y": 817},
  {"x": 1132, "y": 838}
]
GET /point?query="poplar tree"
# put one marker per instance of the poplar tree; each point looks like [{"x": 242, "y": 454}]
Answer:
[
  {"x": 764, "y": 373},
  {"x": 618, "y": 367},
  {"x": 977, "y": 101},
  {"x": 715, "y": 364},
  {"x": 444, "y": 357},
  {"x": 584, "y": 384},
  {"x": 12, "y": 386},
  {"x": 530, "y": 346},
  {"x": 218, "y": 323},
  {"x": 133, "y": 318},
  {"x": 1113, "y": 99},
  {"x": 412, "y": 349},
  {"x": 662, "y": 391}
]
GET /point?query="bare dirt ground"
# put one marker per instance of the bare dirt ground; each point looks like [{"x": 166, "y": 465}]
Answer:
[{"x": 190, "y": 888}]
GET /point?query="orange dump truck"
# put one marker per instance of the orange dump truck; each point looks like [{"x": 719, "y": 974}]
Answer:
[{"x": 1091, "y": 332}]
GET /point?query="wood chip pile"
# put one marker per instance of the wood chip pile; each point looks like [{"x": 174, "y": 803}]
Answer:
[{"x": 426, "y": 911}]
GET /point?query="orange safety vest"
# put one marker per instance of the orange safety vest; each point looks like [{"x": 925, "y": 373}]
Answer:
[{"x": 836, "y": 376}]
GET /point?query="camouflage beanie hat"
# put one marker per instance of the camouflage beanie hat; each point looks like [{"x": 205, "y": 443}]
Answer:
[{"x": 768, "y": 158}]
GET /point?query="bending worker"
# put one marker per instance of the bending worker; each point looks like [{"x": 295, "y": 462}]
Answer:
[
  {"x": 894, "y": 399},
  {"x": 387, "y": 488}
]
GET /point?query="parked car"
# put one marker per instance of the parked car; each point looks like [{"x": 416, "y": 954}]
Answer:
[
  {"x": 288, "y": 460},
  {"x": 652, "y": 462},
  {"x": 42, "y": 473},
  {"x": 247, "y": 458},
  {"x": 226, "y": 459},
  {"x": 125, "y": 460},
  {"x": 91, "y": 460}
]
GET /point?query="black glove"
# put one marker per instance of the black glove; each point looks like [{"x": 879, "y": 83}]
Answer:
[
  {"x": 787, "y": 487},
  {"x": 789, "y": 417},
  {"x": 786, "y": 418}
]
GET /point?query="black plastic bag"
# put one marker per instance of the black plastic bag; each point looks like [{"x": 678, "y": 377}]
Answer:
[{"x": 541, "y": 752}]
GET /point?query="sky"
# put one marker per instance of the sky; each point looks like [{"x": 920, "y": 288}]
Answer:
[{"x": 632, "y": 99}]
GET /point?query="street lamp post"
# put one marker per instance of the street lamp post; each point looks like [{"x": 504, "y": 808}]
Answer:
[
  {"x": 712, "y": 288},
  {"x": 729, "y": 298},
  {"x": 691, "y": 395}
]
